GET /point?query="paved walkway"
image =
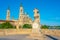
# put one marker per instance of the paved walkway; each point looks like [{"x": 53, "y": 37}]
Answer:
[{"x": 24, "y": 37}]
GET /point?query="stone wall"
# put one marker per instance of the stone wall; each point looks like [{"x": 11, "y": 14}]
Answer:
[
  {"x": 51, "y": 32},
  {"x": 27, "y": 31},
  {"x": 14, "y": 31}
]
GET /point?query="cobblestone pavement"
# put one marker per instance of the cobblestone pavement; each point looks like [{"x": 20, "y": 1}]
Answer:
[{"x": 23, "y": 37}]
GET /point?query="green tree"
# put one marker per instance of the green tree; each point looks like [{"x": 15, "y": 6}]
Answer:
[
  {"x": 57, "y": 27},
  {"x": 6, "y": 25},
  {"x": 27, "y": 26},
  {"x": 44, "y": 27},
  {"x": 0, "y": 25}
]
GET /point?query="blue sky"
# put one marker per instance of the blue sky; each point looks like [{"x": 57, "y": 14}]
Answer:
[{"x": 49, "y": 10}]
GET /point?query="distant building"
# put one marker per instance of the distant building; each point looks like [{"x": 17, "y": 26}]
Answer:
[{"x": 23, "y": 18}]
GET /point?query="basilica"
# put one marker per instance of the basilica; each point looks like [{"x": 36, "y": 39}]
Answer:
[{"x": 23, "y": 18}]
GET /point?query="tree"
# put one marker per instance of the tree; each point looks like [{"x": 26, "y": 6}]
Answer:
[
  {"x": 0, "y": 25},
  {"x": 57, "y": 27},
  {"x": 44, "y": 27},
  {"x": 6, "y": 25},
  {"x": 27, "y": 26}
]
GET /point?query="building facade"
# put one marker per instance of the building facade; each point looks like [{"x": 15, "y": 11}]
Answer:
[{"x": 23, "y": 18}]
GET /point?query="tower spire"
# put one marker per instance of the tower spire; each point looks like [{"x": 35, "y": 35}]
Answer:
[
  {"x": 21, "y": 5},
  {"x": 8, "y": 8},
  {"x": 21, "y": 11},
  {"x": 8, "y": 14}
]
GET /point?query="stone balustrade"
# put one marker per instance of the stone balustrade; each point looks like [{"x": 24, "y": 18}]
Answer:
[
  {"x": 28, "y": 31},
  {"x": 51, "y": 32}
]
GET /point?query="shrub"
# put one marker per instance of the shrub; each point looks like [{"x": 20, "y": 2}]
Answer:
[
  {"x": 44, "y": 27},
  {"x": 27, "y": 26},
  {"x": 6, "y": 25}
]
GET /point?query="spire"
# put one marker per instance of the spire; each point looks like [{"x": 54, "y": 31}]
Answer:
[
  {"x": 20, "y": 4},
  {"x": 21, "y": 9},
  {"x": 8, "y": 7},
  {"x": 8, "y": 14}
]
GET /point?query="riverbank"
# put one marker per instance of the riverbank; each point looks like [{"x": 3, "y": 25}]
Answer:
[{"x": 4, "y": 32}]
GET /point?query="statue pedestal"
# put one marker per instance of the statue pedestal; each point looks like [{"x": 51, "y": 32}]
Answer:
[{"x": 36, "y": 33}]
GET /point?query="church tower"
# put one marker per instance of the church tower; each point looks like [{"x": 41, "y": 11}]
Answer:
[
  {"x": 21, "y": 11},
  {"x": 8, "y": 14},
  {"x": 21, "y": 16}
]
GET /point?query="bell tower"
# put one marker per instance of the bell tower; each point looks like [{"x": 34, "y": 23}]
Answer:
[
  {"x": 8, "y": 14},
  {"x": 21, "y": 16},
  {"x": 21, "y": 11}
]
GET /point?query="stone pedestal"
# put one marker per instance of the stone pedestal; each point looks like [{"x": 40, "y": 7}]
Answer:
[{"x": 36, "y": 33}]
